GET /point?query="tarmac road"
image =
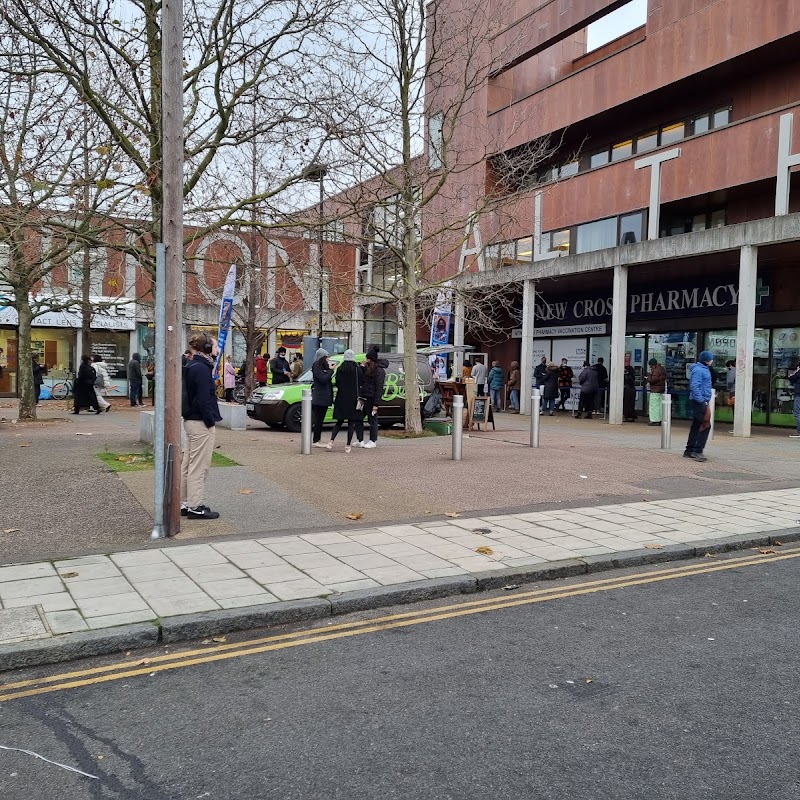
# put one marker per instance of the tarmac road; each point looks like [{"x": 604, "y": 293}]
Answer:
[{"x": 673, "y": 682}]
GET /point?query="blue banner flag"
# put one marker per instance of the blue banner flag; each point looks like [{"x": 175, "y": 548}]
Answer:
[{"x": 225, "y": 313}]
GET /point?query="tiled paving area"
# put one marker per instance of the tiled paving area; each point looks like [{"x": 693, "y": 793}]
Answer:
[{"x": 106, "y": 590}]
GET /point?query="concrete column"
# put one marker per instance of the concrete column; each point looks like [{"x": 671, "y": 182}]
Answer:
[
  {"x": 526, "y": 355},
  {"x": 616, "y": 368},
  {"x": 458, "y": 334},
  {"x": 401, "y": 335},
  {"x": 745, "y": 340},
  {"x": 357, "y": 329},
  {"x": 272, "y": 343}
]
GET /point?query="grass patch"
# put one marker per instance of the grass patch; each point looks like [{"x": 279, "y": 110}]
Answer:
[{"x": 136, "y": 462}]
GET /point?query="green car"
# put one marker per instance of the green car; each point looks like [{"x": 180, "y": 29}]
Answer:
[{"x": 279, "y": 405}]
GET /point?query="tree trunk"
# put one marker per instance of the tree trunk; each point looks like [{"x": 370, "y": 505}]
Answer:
[
  {"x": 25, "y": 387},
  {"x": 408, "y": 320}
]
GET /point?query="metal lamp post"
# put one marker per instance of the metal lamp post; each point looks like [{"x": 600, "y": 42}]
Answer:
[{"x": 316, "y": 172}]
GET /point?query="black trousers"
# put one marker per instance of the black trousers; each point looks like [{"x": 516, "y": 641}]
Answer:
[
  {"x": 317, "y": 418},
  {"x": 354, "y": 425},
  {"x": 372, "y": 419},
  {"x": 564, "y": 391},
  {"x": 229, "y": 395},
  {"x": 586, "y": 404},
  {"x": 697, "y": 438}
]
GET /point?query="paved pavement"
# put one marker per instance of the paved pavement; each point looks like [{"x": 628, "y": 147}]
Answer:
[
  {"x": 102, "y": 591},
  {"x": 684, "y": 688}
]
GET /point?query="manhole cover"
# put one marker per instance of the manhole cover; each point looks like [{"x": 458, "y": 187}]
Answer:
[
  {"x": 22, "y": 624},
  {"x": 734, "y": 476}
]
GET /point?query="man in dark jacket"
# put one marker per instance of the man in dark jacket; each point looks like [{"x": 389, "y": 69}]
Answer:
[
  {"x": 565, "y": 376},
  {"x": 200, "y": 416},
  {"x": 135, "y": 379},
  {"x": 657, "y": 381},
  {"x": 38, "y": 376},
  {"x": 589, "y": 386},
  {"x": 540, "y": 374},
  {"x": 372, "y": 383},
  {"x": 602, "y": 381},
  {"x": 279, "y": 368}
]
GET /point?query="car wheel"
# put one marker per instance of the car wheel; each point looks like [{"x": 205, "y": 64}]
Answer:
[{"x": 293, "y": 418}]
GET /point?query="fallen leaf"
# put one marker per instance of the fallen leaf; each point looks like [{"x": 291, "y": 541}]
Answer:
[
  {"x": 484, "y": 551},
  {"x": 654, "y": 546},
  {"x": 353, "y": 516},
  {"x": 245, "y": 491},
  {"x": 588, "y": 680},
  {"x": 453, "y": 514},
  {"x": 778, "y": 544},
  {"x": 218, "y": 639},
  {"x": 100, "y": 758},
  {"x": 11, "y": 530},
  {"x": 511, "y": 587},
  {"x": 25, "y": 444},
  {"x": 144, "y": 663},
  {"x": 710, "y": 555},
  {"x": 69, "y": 574},
  {"x": 765, "y": 551}
]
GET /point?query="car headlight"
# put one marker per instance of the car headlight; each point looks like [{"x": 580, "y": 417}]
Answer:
[{"x": 274, "y": 394}]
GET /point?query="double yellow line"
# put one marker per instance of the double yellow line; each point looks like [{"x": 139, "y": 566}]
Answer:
[{"x": 222, "y": 652}]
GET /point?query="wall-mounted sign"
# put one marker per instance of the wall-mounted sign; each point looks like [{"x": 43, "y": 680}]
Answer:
[
  {"x": 572, "y": 330},
  {"x": 110, "y": 313}
]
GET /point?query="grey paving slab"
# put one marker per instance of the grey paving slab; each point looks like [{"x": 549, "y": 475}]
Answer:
[
  {"x": 250, "y": 600},
  {"x": 290, "y": 548},
  {"x": 115, "y": 604},
  {"x": 237, "y": 587},
  {"x": 306, "y": 561},
  {"x": 138, "y": 558},
  {"x": 372, "y": 561},
  {"x": 22, "y": 625},
  {"x": 336, "y": 573},
  {"x": 298, "y": 589},
  {"x": 73, "y": 572},
  {"x": 213, "y": 572},
  {"x": 395, "y": 574},
  {"x": 262, "y": 558},
  {"x": 59, "y": 601},
  {"x": 152, "y": 572},
  {"x": 166, "y": 587},
  {"x": 183, "y": 604},
  {"x": 352, "y": 586},
  {"x": 30, "y": 587},
  {"x": 61, "y": 622},
  {"x": 196, "y": 555},
  {"x": 268, "y": 575},
  {"x": 239, "y": 547},
  {"x": 99, "y": 588},
  {"x": 26, "y": 571},
  {"x": 125, "y": 618}
]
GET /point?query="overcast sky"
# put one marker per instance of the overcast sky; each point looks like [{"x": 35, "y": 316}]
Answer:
[{"x": 618, "y": 22}]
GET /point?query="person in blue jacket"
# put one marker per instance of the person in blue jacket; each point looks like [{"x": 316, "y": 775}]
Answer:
[
  {"x": 496, "y": 381},
  {"x": 200, "y": 415},
  {"x": 699, "y": 398}
]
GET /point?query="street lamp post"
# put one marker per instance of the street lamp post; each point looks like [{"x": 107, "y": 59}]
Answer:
[{"x": 316, "y": 172}]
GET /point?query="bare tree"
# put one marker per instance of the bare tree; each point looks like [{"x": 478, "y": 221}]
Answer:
[
  {"x": 429, "y": 64},
  {"x": 44, "y": 219}
]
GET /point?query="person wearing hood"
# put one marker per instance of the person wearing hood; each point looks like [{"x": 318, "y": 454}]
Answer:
[
  {"x": 83, "y": 391},
  {"x": 321, "y": 394},
  {"x": 261, "y": 368},
  {"x": 550, "y": 390},
  {"x": 514, "y": 382},
  {"x": 589, "y": 386},
  {"x": 496, "y": 381},
  {"x": 372, "y": 381},
  {"x": 699, "y": 398},
  {"x": 39, "y": 372},
  {"x": 135, "y": 380},
  {"x": 101, "y": 381},
  {"x": 200, "y": 413},
  {"x": 345, "y": 406}
]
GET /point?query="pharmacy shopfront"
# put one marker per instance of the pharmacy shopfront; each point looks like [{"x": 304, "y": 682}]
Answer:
[
  {"x": 673, "y": 325},
  {"x": 55, "y": 337}
]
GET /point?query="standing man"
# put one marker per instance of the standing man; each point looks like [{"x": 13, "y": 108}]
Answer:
[
  {"x": 297, "y": 366},
  {"x": 496, "y": 383},
  {"x": 200, "y": 416},
  {"x": 602, "y": 380},
  {"x": 540, "y": 374},
  {"x": 657, "y": 381},
  {"x": 38, "y": 376},
  {"x": 135, "y": 380},
  {"x": 479, "y": 376},
  {"x": 279, "y": 368},
  {"x": 565, "y": 376},
  {"x": 102, "y": 381},
  {"x": 794, "y": 379},
  {"x": 589, "y": 385},
  {"x": 261, "y": 369},
  {"x": 699, "y": 398}
]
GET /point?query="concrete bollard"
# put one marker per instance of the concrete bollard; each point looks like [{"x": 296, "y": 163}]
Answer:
[
  {"x": 458, "y": 426},
  {"x": 305, "y": 423},
  {"x": 536, "y": 407},
  {"x": 666, "y": 421}
]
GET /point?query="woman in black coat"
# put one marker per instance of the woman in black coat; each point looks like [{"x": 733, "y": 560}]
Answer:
[
  {"x": 83, "y": 392},
  {"x": 629, "y": 395},
  {"x": 321, "y": 393},
  {"x": 550, "y": 390},
  {"x": 372, "y": 382},
  {"x": 345, "y": 406}
]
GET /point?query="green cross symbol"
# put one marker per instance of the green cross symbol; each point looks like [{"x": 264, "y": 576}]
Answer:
[{"x": 762, "y": 291}]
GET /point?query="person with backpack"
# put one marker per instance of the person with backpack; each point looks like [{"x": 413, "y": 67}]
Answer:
[
  {"x": 345, "y": 406},
  {"x": 372, "y": 383},
  {"x": 200, "y": 413},
  {"x": 101, "y": 381},
  {"x": 83, "y": 392}
]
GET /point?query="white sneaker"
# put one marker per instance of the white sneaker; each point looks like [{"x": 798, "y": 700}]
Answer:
[
  {"x": 359, "y": 444},
  {"x": 347, "y": 448},
  {"x": 369, "y": 445},
  {"x": 329, "y": 446},
  {"x": 320, "y": 444},
  {"x": 794, "y": 435}
]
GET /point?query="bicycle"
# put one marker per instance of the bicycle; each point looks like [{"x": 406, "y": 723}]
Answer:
[
  {"x": 62, "y": 389},
  {"x": 240, "y": 391}
]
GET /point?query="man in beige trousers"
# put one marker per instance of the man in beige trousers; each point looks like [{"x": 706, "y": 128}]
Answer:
[{"x": 200, "y": 415}]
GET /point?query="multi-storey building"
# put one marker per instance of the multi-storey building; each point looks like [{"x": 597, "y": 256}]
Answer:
[{"x": 664, "y": 221}]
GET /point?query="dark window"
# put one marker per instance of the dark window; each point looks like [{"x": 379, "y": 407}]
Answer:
[
  {"x": 631, "y": 228},
  {"x": 718, "y": 218}
]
